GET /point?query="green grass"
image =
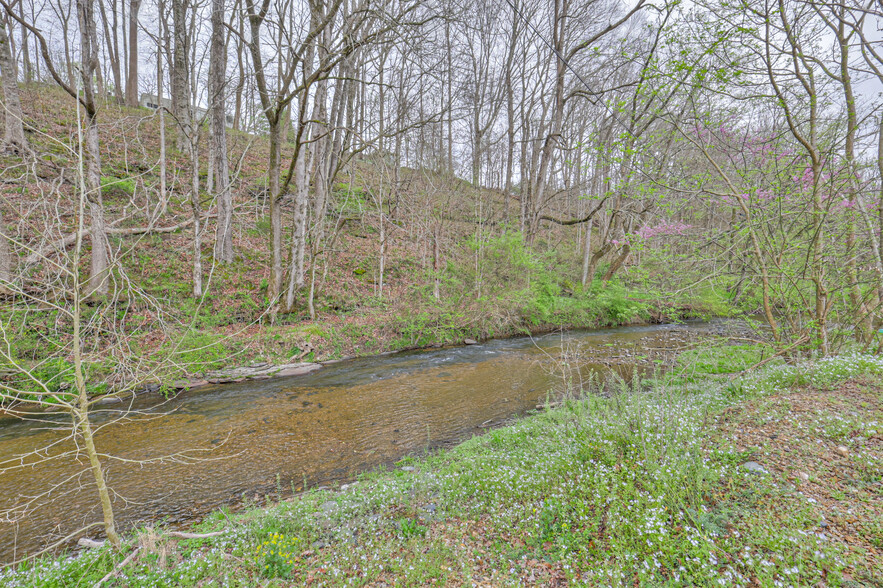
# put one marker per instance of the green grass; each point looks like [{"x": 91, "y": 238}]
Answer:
[{"x": 617, "y": 490}]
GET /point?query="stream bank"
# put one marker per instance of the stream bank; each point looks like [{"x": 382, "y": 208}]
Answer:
[
  {"x": 227, "y": 444},
  {"x": 641, "y": 489}
]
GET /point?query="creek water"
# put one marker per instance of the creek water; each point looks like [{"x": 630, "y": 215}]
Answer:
[{"x": 240, "y": 442}]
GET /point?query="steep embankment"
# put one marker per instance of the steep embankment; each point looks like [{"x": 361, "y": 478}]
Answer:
[{"x": 444, "y": 269}]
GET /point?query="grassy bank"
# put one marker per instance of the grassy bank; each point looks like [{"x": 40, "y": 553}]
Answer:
[{"x": 635, "y": 488}]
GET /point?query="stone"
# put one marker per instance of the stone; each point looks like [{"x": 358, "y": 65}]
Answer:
[
  {"x": 842, "y": 451},
  {"x": 804, "y": 477},
  {"x": 409, "y": 469},
  {"x": 90, "y": 543},
  {"x": 754, "y": 468},
  {"x": 298, "y": 369},
  {"x": 470, "y": 342},
  {"x": 187, "y": 384}
]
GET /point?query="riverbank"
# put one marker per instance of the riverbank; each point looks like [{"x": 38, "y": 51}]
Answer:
[
  {"x": 771, "y": 478},
  {"x": 644, "y": 315}
]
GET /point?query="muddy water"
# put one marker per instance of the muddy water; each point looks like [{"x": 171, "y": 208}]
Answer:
[{"x": 240, "y": 441}]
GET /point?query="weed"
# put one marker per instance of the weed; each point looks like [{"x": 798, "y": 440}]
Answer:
[{"x": 276, "y": 556}]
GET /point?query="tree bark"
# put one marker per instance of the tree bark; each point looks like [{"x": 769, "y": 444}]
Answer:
[
  {"x": 25, "y": 50},
  {"x": 223, "y": 251},
  {"x": 6, "y": 262},
  {"x": 98, "y": 271},
  {"x": 132, "y": 78},
  {"x": 14, "y": 136},
  {"x": 181, "y": 73},
  {"x": 111, "y": 38}
]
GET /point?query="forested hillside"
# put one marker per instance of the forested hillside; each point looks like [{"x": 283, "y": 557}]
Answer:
[{"x": 193, "y": 185}]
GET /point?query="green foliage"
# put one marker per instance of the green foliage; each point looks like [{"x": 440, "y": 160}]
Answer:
[
  {"x": 276, "y": 556},
  {"x": 112, "y": 184},
  {"x": 199, "y": 351},
  {"x": 720, "y": 358},
  {"x": 409, "y": 528},
  {"x": 505, "y": 278}
]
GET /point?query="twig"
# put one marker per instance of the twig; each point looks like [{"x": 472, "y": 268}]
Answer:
[
  {"x": 50, "y": 547},
  {"x": 117, "y": 569},
  {"x": 770, "y": 358},
  {"x": 184, "y": 535}
]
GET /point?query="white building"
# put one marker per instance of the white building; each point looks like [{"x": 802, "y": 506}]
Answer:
[{"x": 151, "y": 101}]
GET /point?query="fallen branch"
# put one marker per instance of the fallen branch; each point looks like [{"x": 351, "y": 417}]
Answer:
[
  {"x": 575, "y": 221},
  {"x": 184, "y": 535},
  {"x": 69, "y": 240},
  {"x": 50, "y": 547},
  {"x": 117, "y": 569},
  {"x": 90, "y": 543},
  {"x": 770, "y": 358}
]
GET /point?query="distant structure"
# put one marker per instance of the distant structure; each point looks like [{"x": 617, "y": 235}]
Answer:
[{"x": 152, "y": 101}]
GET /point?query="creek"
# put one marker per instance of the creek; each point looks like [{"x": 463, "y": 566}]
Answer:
[{"x": 238, "y": 443}]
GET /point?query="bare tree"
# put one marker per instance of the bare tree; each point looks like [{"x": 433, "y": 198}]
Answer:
[
  {"x": 180, "y": 74},
  {"x": 132, "y": 73},
  {"x": 14, "y": 132},
  {"x": 112, "y": 42},
  {"x": 217, "y": 71}
]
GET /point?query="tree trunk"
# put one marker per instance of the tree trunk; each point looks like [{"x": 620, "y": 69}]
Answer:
[
  {"x": 275, "y": 213},
  {"x": 111, "y": 39},
  {"x": 6, "y": 263},
  {"x": 98, "y": 270},
  {"x": 197, "y": 218},
  {"x": 25, "y": 50},
  {"x": 297, "y": 272},
  {"x": 181, "y": 73},
  {"x": 80, "y": 415},
  {"x": 132, "y": 78},
  {"x": 223, "y": 251},
  {"x": 14, "y": 136}
]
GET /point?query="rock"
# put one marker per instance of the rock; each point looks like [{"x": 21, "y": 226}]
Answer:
[
  {"x": 409, "y": 469},
  {"x": 842, "y": 451},
  {"x": 329, "y": 506},
  {"x": 803, "y": 476},
  {"x": 86, "y": 542},
  {"x": 345, "y": 487},
  {"x": 187, "y": 384},
  {"x": 754, "y": 468},
  {"x": 298, "y": 369},
  {"x": 470, "y": 342},
  {"x": 108, "y": 400}
]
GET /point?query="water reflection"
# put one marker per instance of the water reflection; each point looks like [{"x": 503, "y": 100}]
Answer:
[{"x": 314, "y": 429}]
